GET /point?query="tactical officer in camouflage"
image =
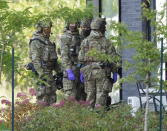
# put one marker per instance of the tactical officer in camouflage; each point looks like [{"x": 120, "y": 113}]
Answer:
[
  {"x": 70, "y": 45},
  {"x": 85, "y": 28},
  {"x": 44, "y": 58},
  {"x": 95, "y": 73},
  {"x": 84, "y": 32}
]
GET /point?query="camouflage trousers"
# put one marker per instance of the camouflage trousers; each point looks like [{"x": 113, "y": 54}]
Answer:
[
  {"x": 69, "y": 88},
  {"x": 73, "y": 88},
  {"x": 81, "y": 94},
  {"x": 97, "y": 86},
  {"x": 46, "y": 91}
]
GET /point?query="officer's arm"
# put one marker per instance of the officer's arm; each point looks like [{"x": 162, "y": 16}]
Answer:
[
  {"x": 82, "y": 52},
  {"x": 37, "y": 52},
  {"x": 111, "y": 51},
  {"x": 110, "y": 48},
  {"x": 66, "y": 61}
]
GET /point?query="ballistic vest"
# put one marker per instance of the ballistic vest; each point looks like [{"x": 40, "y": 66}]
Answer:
[{"x": 48, "y": 55}]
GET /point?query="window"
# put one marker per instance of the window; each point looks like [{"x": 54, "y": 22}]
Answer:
[
  {"x": 89, "y": 2},
  {"x": 159, "y": 7},
  {"x": 110, "y": 11}
]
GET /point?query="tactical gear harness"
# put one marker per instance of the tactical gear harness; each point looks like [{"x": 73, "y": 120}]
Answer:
[{"x": 38, "y": 40}]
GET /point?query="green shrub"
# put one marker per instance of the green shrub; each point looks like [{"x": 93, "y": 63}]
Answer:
[
  {"x": 71, "y": 115},
  {"x": 76, "y": 116}
]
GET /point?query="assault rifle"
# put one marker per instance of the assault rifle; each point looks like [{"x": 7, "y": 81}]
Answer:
[{"x": 58, "y": 77}]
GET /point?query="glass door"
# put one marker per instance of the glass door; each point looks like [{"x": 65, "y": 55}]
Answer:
[{"x": 110, "y": 11}]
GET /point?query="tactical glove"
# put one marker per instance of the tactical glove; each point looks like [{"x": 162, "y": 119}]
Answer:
[
  {"x": 81, "y": 77},
  {"x": 70, "y": 74},
  {"x": 114, "y": 77}
]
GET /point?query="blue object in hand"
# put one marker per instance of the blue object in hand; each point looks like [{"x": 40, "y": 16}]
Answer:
[
  {"x": 114, "y": 77},
  {"x": 70, "y": 74},
  {"x": 81, "y": 77}
]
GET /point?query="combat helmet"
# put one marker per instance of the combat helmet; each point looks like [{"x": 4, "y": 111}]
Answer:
[
  {"x": 86, "y": 23},
  {"x": 98, "y": 23},
  {"x": 45, "y": 23}
]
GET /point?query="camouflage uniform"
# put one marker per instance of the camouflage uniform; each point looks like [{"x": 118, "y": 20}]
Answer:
[
  {"x": 84, "y": 32},
  {"x": 44, "y": 58},
  {"x": 85, "y": 28},
  {"x": 96, "y": 77},
  {"x": 70, "y": 44}
]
